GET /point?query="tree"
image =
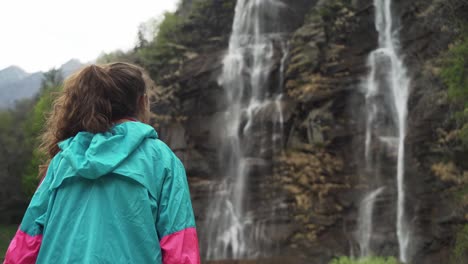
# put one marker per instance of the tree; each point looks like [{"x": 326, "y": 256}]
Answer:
[{"x": 52, "y": 78}]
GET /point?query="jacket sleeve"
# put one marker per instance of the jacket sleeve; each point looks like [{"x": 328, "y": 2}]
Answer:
[
  {"x": 24, "y": 248},
  {"x": 176, "y": 223}
]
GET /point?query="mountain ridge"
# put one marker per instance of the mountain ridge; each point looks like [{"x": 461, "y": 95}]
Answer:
[
  {"x": 12, "y": 73},
  {"x": 17, "y": 84}
]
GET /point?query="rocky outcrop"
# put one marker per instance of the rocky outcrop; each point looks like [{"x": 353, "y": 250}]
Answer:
[
  {"x": 432, "y": 150},
  {"x": 327, "y": 62},
  {"x": 326, "y": 68},
  {"x": 189, "y": 108},
  {"x": 318, "y": 172}
]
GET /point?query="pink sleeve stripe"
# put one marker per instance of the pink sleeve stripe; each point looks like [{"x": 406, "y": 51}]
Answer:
[
  {"x": 23, "y": 249},
  {"x": 181, "y": 247}
]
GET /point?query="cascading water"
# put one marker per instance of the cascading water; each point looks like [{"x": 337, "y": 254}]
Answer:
[
  {"x": 387, "y": 89},
  {"x": 255, "y": 44},
  {"x": 366, "y": 209}
]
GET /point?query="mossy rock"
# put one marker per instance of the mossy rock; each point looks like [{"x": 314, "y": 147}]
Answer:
[{"x": 460, "y": 251}]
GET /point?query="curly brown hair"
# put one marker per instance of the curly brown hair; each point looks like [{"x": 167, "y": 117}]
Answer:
[{"x": 93, "y": 99}]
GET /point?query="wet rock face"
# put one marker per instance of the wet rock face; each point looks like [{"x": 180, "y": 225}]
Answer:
[
  {"x": 319, "y": 171},
  {"x": 326, "y": 67},
  {"x": 436, "y": 213},
  {"x": 190, "y": 108}
]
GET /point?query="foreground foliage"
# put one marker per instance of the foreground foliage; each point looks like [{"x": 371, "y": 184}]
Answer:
[
  {"x": 369, "y": 260},
  {"x": 6, "y": 234}
]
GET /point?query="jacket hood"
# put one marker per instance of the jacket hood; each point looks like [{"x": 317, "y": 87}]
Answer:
[{"x": 94, "y": 155}]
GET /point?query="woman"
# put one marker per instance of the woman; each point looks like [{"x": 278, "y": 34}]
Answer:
[{"x": 113, "y": 192}]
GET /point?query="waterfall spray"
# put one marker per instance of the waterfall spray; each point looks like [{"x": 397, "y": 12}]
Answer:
[
  {"x": 387, "y": 89},
  {"x": 366, "y": 209},
  {"x": 233, "y": 231}
]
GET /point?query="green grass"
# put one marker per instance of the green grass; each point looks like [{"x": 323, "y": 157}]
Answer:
[
  {"x": 460, "y": 251},
  {"x": 369, "y": 260},
  {"x": 6, "y": 234}
]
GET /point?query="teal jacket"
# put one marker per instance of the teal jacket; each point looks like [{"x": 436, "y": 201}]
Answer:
[{"x": 115, "y": 197}]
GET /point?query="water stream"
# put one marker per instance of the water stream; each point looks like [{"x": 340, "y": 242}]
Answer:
[
  {"x": 366, "y": 210},
  {"x": 386, "y": 91},
  {"x": 256, "y": 47}
]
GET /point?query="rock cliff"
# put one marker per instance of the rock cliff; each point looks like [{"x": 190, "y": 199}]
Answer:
[{"x": 318, "y": 174}]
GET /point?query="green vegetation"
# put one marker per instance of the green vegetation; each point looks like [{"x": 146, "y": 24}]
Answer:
[
  {"x": 162, "y": 49},
  {"x": 6, "y": 234},
  {"x": 191, "y": 26},
  {"x": 369, "y": 260},
  {"x": 117, "y": 55},
  {"x": 455, "y": 75},
  {"x": 19, "y": 155},
  {"x": 208, "y": 16},
  {"x": 331, "y": 8},
  {"x": 178, "y": 36},
  {"x": 14, "y": 154},
  {"x": 33, "y": 127},
  {"x": 460, "y": 251}
]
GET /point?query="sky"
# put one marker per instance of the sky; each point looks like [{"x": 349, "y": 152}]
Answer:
[{"x": 38, "y": 35}]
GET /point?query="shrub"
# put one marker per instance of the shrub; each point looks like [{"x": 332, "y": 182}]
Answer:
[
  {"x": 460, "y": 251},
  {"x": 189, "y": 30},
  {"x": 369, "y": 260},
  {"x": 455, "y": 72},
  {"x": 330, "y": 9},
  {"x": 162, "y": 49},
  {"x": 455, "y": 76},
  {"x": 33, "y": 127}
]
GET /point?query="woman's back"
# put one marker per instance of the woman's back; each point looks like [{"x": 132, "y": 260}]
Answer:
[{"x": 100, "y": 221}]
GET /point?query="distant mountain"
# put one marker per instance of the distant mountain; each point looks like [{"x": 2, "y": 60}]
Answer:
[
  {"x": 17, "y": 84},
  {"x": 69, "y": 67},
  {"x": 21, "y": 89},
  {"x": 12, "y": 74}
]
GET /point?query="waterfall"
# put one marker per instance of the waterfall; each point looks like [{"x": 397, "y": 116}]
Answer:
[
  {"x": 366, "y": 210},
  {"x": 387, "y": 89},
  {"x": 255, "y": 44}
]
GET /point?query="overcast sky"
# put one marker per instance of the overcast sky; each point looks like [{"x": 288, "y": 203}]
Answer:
[{"x": 41, "y": 34}]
